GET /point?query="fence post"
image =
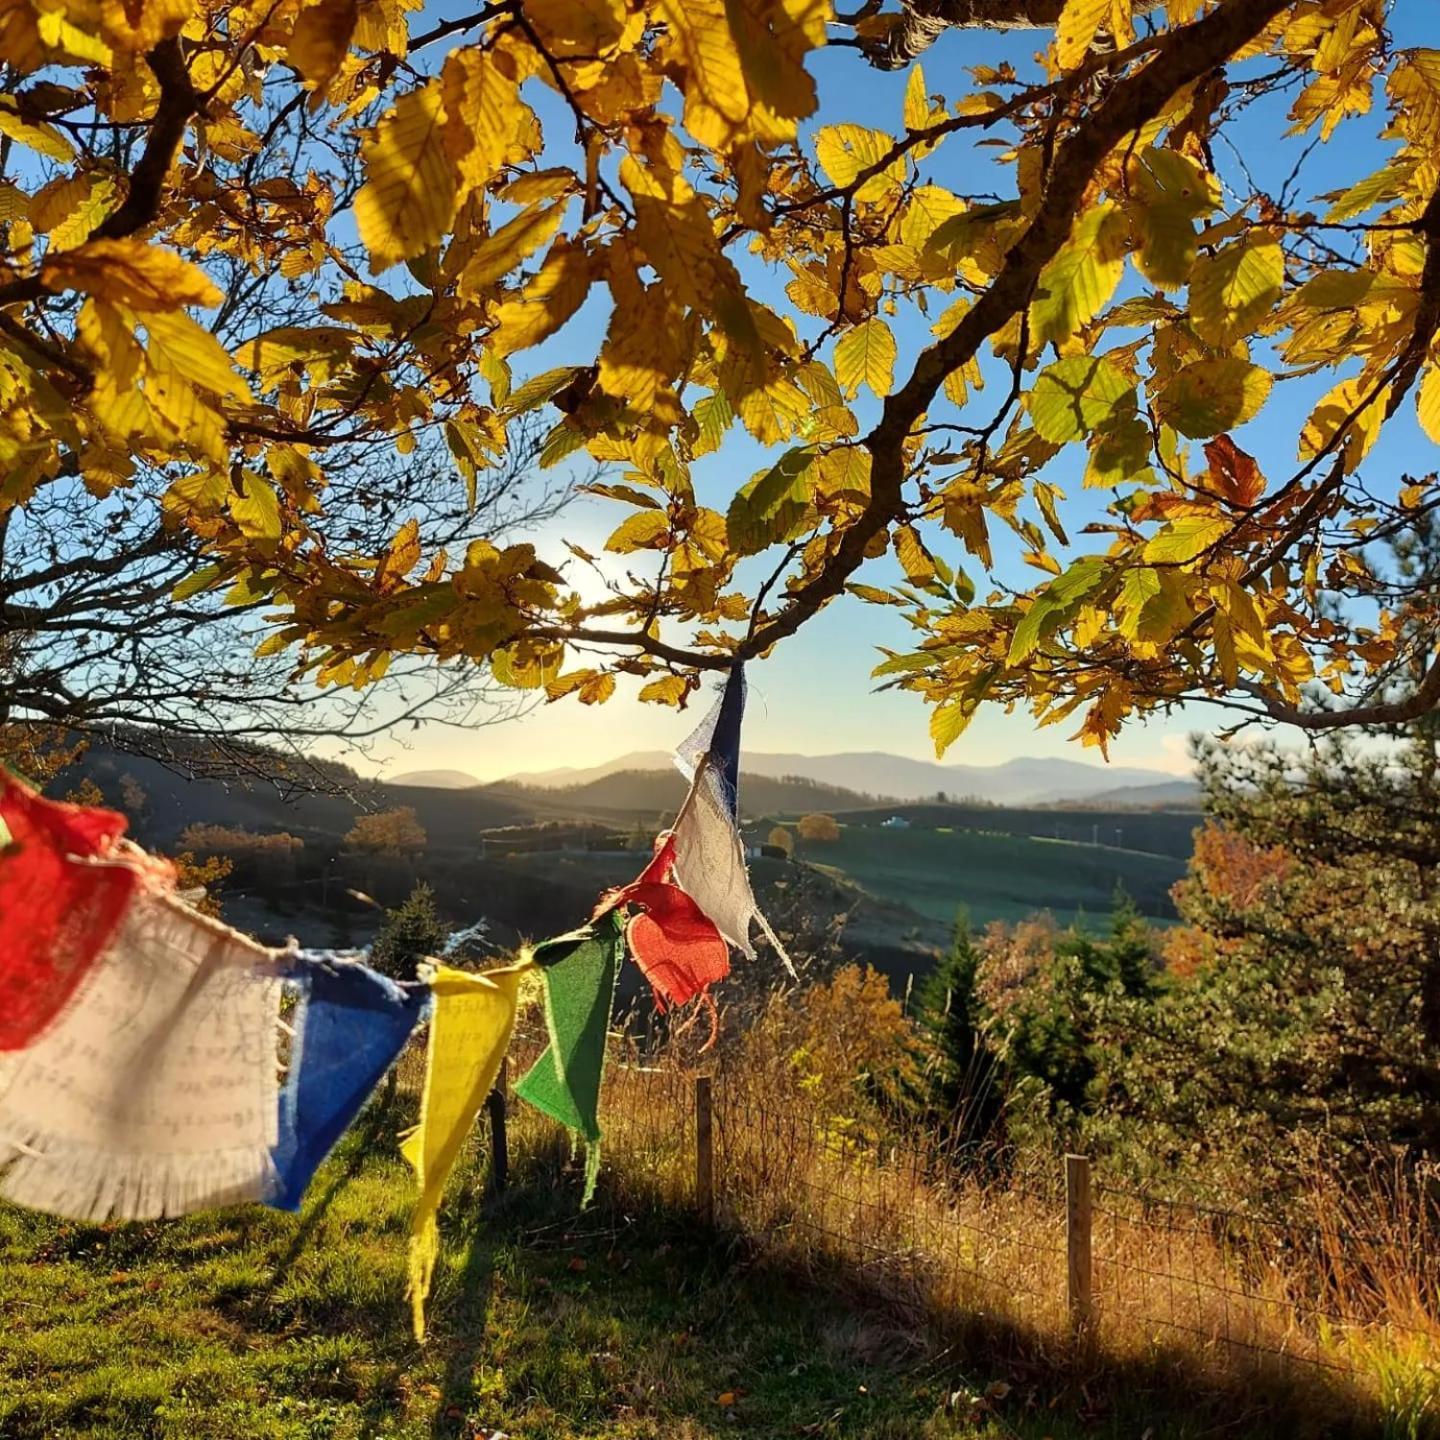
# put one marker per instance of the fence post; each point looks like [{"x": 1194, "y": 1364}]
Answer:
[
  {"x": 1078, "y": 1250},
  {"x": 704, "y": 1151},
  {"x": 499, "y": 1140}
]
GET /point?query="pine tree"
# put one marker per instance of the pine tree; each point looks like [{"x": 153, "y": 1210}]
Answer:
[
  {"x": 410, "y": 933},
  {"x": 964, "y": 1084}
]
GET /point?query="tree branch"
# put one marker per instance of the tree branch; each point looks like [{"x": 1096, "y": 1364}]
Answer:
[
  {"x": 1189, "y": 53},
  {"x": 922, "y": 22},
  {"x": 1421, "y": 701}
]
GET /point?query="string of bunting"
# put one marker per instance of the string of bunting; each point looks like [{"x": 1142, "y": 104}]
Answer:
[{"x": 140, "y": 1039}]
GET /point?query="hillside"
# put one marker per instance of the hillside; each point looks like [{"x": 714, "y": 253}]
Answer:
[
  {"x": 995, "y": 876},
  {"x": 655, "y": 792},
  {"x": 1156, "y": 832},
  {"x": 1021, "y": 781}
]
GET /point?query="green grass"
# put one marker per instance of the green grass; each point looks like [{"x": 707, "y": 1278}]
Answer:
[
  {"x": 996, "y": 877},
  {"x": 546, "y": 1324}
]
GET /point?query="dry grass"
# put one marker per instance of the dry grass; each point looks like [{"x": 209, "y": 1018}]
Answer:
[{"x": 1332, "y": 1318}]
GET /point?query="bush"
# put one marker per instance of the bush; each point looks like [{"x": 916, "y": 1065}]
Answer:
[
  {"x": 819, "y": 827},
  {"x": 390, "y": 832}
]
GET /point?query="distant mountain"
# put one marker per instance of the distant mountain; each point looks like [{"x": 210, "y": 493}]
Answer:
[
  {"x": 436, "y": 779},
  {"x": 1167, "y": 794},
  {"x": 1022, "y": 781}
]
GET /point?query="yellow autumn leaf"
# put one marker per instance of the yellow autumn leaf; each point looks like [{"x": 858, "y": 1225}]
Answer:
[
  {"x": 702, "y": 33},
  {"x": 669, "y": 690},
  {"x": 1355, "y": 406},
  {"x": 1234, "y": 289},
  {"x": 546, "y": 303},
  {"x": 190, "y": 350},
  {"x": 598, "y": 689},
  {"x": 947, "y": 723},
  {"x": 129, "y": 272},
  {"x": 1076, "y": 29},
  {"x": 255, "y": 508},
  {"x": 917, "y": 102},
  {"x": 1428, "y": 403},
  {"x": 519, "y": 238},
  {"x": 485, "y": 117},
  {"x": 914, "y": 558},
  {"x": 408, "y": 199},
  {"x": 44, "y": 139},
  {"x": 321, "y": 39},
  {"x": 195, "y": 425},
  {"x": 866, "y": 355}
]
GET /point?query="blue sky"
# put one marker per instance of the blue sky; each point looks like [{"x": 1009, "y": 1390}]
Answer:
[{"x": 815, "y": 693}]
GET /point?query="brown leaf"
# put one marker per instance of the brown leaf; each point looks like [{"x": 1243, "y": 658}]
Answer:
[{"x": 1234, "y": 473}]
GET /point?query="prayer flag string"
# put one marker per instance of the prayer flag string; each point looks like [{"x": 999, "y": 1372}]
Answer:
[{"x": 140, "y": 1040}]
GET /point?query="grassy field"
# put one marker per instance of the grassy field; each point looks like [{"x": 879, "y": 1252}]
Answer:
[
  {"x": 631, "y": 1320},
  {"x": 546, "y": 1325},
  {"x": 996, "y": 877}
]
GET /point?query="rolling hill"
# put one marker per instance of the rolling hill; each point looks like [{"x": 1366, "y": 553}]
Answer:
[
  {"x": 642, "y": 793},
  {"x": 1022, "y": 781}
]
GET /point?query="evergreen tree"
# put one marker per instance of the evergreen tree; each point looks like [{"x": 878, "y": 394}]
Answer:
[
  {"x": 411, "y": 932},
  {"x": 1302, "y": 1023},
  {"x": 1048, "y": 1033},
  {"x": 963, "y": 1087}
]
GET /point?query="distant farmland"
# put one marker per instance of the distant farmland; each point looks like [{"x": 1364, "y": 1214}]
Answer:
[{"x": 996, "y": 876}]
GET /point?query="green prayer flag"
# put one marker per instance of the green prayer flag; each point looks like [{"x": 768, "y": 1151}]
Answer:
[{"x": 580, "y": 971}]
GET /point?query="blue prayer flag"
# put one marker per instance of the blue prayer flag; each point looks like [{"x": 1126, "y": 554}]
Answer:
[{"x": 352, "y": 1023}]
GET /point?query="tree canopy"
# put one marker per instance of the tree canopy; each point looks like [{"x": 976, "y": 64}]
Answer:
[{"x": 1060, "y": 269}]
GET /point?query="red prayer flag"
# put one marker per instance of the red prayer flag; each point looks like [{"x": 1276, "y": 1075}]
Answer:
[
  {"x": 57, "y": 913},
  {"x": 675, "y": 944}
]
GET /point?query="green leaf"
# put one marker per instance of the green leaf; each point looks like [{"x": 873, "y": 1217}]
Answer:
[
  {"x": 1234, "y": 289},
  {"x": 1169, "y": 193},
  {"x": 1213, "y": 395},
  {"x": 773, "y": 505},
  {"x": 1052, "y": 604},
  {"x": 1073, "y": 397},
  {"x": 1075, "y": 285},
  {"x": 1120, "y": 452},
  {"x": 1153, "y": 604},
  {"x": 1184, "y": 539}
]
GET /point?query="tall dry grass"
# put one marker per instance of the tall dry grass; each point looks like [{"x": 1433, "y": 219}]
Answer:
[{"x": 1337, "y": 1310}]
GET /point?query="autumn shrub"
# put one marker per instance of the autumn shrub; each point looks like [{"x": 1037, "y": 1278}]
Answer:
[
  {"x": 388, "y": 832},
  {"x": 823, "y": 828},
  {"x": 267, "y": 860}
]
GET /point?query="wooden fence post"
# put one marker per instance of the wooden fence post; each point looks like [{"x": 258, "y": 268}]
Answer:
[
  {"x": 1078, "y": 1251},
  {"x": 704, "y": 1151},
  {"x": 499, "y": 1140}
]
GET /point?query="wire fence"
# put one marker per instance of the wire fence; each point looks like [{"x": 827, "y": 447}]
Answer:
[{"x": 1002, "y": 1242}]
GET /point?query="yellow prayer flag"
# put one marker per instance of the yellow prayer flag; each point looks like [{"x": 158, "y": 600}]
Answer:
[{"x": 469, "y": 1034}]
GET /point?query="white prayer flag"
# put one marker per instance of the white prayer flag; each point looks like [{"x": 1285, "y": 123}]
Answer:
[{"x": 155, "y": 1091}]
